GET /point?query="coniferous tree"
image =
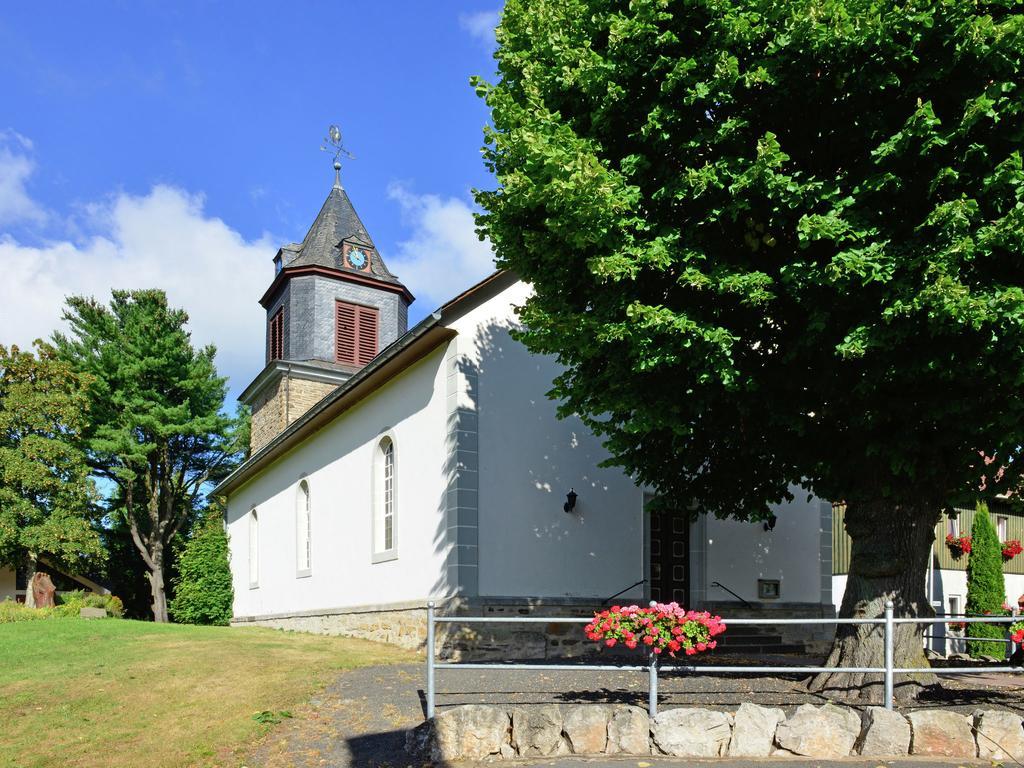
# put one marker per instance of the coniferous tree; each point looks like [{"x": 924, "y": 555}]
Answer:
[
  {"x": 157, "y": 431},
  {"x": 986, "y": 590},
  {"x": 203, "y": 590}
]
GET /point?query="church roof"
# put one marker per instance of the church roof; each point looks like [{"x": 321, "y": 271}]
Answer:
[
  {"x": 417, "y": 342},
  {"x": 336, "y": 223}
]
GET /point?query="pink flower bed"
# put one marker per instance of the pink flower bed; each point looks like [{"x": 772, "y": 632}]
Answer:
[{"x": 663, "y": 628}]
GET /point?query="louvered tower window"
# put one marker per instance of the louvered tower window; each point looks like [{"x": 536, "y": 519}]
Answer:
[
  {"x": 356, "y": 333},
  {"x": 277, "y": 335}
]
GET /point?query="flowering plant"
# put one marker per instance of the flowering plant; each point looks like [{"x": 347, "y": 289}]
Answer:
[
  {"x": 1011, "y": 549},
  {"x": 957, "y": 625},
  {"x": 664, "y": 627},
  {"x": 1017, "y": 632},
  {"x": 958, "y": 545}
]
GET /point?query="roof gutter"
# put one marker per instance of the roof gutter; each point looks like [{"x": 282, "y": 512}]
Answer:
[{"x": 416, "y": 344}]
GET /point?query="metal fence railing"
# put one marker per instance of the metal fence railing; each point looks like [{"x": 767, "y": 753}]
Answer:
[{"x": 652, "y": 667}]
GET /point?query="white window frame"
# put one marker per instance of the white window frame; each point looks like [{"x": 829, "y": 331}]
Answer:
[
  {"x": 303, "y": 522},
  {"x": 385, "y": 500},
  {"x": 953, "y": 526},
  {"x": 254, "y": 549},
  {"x": 1002, "y": 528}
]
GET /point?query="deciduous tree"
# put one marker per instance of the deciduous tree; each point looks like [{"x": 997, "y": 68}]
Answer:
[
  {"x": 776, "y": 247},
  {"x": 48, "y": 503},
  {"x": 203, "y": 590}
]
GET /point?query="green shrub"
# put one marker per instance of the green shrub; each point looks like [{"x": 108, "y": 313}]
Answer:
[
  {"x": 203, "y": 592},
  {"x": 11, "y": 612},
  {"x": 69, "y": 603},
  {"x": 986, "y": 591}
]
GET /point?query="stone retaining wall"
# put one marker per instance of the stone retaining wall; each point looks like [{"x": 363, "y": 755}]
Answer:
[{"x": 483, "y": 732}]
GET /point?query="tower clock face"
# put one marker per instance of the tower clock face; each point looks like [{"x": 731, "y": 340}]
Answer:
[{"x": 357, "y": 258}]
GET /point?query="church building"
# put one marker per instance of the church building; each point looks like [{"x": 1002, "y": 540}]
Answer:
[{"x": 392, "y": 465}]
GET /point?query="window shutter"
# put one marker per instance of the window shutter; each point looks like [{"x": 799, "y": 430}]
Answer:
[
  {"x": 356, "y": 329},
  {"x": 277, "y": 335},
  {"x": 345, "y": 339},
  {"x": 367, "y": 339}
]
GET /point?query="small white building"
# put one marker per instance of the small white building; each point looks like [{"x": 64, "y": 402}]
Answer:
[{"x": 391, "y": 467}]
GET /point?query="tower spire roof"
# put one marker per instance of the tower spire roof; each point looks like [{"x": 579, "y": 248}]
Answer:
[{"x": 336, "y": 228}]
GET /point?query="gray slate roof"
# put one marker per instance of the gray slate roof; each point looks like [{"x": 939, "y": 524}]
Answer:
[{"x": 336, "y": 223}]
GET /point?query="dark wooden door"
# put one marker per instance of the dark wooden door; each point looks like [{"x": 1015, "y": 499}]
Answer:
[{"x": 669, "y": 556}]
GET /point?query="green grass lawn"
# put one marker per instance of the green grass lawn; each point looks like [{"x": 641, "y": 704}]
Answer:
[{"x": 112, "y": 692}]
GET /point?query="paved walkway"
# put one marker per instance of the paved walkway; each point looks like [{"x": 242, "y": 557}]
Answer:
[{"x": 360, "y": 720}]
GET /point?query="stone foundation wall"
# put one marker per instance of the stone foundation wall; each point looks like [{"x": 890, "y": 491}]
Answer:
[
  {"x": 404, "y": 627},
  {"x": 817, "y": 638},
  {"x": 482, "y": 732}
]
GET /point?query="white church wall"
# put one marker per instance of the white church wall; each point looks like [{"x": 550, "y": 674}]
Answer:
[
  {"x": 528, "y": 461},
  {"x": 738, "y": 554},
  {"x": 337, "y": 464}
]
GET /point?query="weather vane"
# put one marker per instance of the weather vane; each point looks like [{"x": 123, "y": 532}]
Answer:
[{"x": 332, "y": 143}]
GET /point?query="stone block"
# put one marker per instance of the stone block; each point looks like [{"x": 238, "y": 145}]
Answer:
[
  {"x": 938, "y": 733},
  {"x": 629, "y": 732},
  {"x": 692, "y": 732},
  {"x": 536, "y": 731},
  {"x": 753, "y": 731},
  {"x": 999, "y": 735},
  {"x": 586, "y": 728},
  {"x": 822, "y": 732},
  {"x": 470, "y": 732},
  {"x": 884, "y": 733},
  {"x": 92, "y": 613}
]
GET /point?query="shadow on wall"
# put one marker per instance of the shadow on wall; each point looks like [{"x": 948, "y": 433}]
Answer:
[{"x": 505, "y": 434}]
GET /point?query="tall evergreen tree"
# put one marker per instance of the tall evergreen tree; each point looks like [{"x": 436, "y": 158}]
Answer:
[
  {"x": 776, "y": 245},
  {"x": 157, "y": 430},
  {"x": 986, "y": 589},
  {"x": 203, "y": 590}
]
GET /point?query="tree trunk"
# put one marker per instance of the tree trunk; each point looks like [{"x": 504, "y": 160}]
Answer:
[
  {"x": 156, "y": 584},
  {"x": 30, "y": 572},
  {"x": 889, "y": 560}
]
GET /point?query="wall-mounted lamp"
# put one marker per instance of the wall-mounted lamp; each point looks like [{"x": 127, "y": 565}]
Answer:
[
  {"x": 570, "y": 500},
  {"x": 769, "y": 524}
]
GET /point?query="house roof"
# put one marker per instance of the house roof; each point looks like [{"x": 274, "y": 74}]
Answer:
[{"x": 414, "y": 345}]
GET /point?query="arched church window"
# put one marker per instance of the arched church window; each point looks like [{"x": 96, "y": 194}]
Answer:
[
  {"x": 303, "y": 531},
  {"x": 384, "y": 518}
]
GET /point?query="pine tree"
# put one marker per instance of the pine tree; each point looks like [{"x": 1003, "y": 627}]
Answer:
[
  {"x": 986, "y": 591},
  {"x": 203, "y": 591}
]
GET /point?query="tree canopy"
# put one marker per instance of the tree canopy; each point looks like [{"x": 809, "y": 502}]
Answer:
[
  {"x": 48, "y": 503},
  {"x": 157, "y": 431},
  {"x": 772, "y": 243}
]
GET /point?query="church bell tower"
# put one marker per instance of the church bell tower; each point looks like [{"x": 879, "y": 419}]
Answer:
[{"x": 331, "y": 307}]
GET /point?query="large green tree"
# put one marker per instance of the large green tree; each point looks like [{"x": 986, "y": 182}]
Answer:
[
  {"x": 157, "y": 431},
  {"x": 986, "y": 589},
  {"x": 48, "y": 503},
  {"x": 776, "y": 245}
]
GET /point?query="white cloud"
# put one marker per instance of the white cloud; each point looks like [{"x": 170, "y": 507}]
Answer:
[
  {"x": 443, "y": 256},
  {"x": 480, "y": 25},
  {"x": 162, "y": 239},
  {"x": 16, "y": 165}
]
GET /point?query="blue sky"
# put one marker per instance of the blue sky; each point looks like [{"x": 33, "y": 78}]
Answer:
[{"x": 177, "y": 144}]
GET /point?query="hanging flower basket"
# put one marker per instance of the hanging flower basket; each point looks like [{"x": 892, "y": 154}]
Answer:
[
  {"x": 663, "y": 628},
  {"x": 1011, "y": 549},
  {"x": 958, "y": 545}
]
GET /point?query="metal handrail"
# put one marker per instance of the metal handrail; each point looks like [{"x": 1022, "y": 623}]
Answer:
[
  {"x": 721, "y": 585},
  {"x": 888, "y": 671},
  {"x": 621, "y": 591}
]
